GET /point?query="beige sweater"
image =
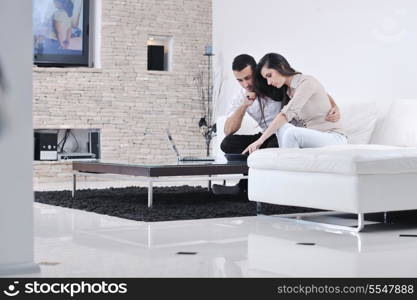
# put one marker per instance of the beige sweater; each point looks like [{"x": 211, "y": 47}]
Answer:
[{"x": 309, "y": 104}]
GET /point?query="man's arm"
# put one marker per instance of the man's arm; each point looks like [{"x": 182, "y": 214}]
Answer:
[
  {"x": 332, "y": 103},
  {"x": 234, "y": 122},
  {"x": 334, "y": 113}
]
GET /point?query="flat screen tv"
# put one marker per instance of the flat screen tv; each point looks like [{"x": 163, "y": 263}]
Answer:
[{"x": 61, "y": 32}]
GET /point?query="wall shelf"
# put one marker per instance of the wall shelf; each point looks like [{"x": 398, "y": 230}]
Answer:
[{"x": 66, "y": 144}]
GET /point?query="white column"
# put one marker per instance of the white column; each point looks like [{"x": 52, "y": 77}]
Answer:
[
  {"x": 95, "y": 33},
  {"x": 16, "y": 139}
]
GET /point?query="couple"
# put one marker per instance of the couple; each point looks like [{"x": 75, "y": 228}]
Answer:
[{"x": 293, "y": 110}]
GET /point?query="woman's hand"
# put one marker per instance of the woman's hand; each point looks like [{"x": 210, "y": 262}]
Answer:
[
  {"x": 276, "y": 124},
  {"x": 253, "y": 147},
  {"x": 333, "y": 115}
]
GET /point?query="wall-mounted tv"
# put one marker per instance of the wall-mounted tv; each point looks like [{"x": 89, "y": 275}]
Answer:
[{"x": 61, "y": 32}]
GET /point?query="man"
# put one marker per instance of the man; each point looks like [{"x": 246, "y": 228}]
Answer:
[{"x": 262, "y": 110}]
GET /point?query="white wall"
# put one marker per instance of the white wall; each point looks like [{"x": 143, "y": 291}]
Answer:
[
  {"x": 357, "y": 49},
  {"x": 16, "y": 139}
]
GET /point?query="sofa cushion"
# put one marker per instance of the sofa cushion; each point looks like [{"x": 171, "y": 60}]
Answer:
[
  {"x": 344, "y": 159},
  {"x": 358, "y": 120},
  {"x": 399, "y": 127}
]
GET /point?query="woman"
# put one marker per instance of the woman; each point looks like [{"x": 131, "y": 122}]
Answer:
[{"x": 307, "y": 104}]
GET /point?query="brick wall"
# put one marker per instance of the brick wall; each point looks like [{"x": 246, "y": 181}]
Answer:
[{"x": 131, "y": 106}]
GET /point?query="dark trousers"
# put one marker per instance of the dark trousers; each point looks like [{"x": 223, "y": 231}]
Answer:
[{"x": 235, "y": 143}]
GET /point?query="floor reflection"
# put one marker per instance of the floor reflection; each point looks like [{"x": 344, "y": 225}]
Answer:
[
  {"x": 87, "y": 244},
  {"x": 379, "y": 252}
]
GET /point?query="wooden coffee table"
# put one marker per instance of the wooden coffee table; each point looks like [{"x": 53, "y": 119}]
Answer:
[{"x": 193, "y": 171}]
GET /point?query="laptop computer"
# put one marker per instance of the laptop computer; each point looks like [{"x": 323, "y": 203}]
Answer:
[{"x": 185, "y": 158}]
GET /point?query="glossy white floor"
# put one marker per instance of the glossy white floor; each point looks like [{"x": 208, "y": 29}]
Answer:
[{"x": 72, "y": 243}]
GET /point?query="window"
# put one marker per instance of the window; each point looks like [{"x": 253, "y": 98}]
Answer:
[
  {"x": 61, "y": 32},
  {"x": 159, "y": 53}
]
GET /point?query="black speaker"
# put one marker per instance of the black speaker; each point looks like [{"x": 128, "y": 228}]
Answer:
[
  {"x": 46, "y": 146},
  {"x": 94, "y": 143},
  {"x": 156, "y": 57}
]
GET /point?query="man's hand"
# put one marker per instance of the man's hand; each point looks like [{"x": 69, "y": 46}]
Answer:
[
  {"x": 333, "y": 115},
  {"x": 249, "y": 98},
  {"x": 253, "y": 147},
  {"x": 234, "y": 122}
]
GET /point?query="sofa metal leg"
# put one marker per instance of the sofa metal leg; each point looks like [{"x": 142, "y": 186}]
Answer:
[
  {"x": 361, "y": 222},
  {"x": 298, "y": 219}
]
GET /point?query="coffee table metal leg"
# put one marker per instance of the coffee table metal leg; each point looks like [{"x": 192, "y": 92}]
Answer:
[
  {"x": 258, "y": 208},
  {"x": 150, "y": 194},
  {"x": 74, "y": 184}
]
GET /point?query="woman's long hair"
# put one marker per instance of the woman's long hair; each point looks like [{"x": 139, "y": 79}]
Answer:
[
  {"x": 263, "y": 90},
  {"x": 279, "y": 63}
]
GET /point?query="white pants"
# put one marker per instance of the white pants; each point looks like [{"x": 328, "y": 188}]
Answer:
[{"x": 290, "y": 136}]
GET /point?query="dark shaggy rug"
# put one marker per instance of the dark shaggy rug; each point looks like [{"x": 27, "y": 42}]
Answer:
[
  {"x": 170, "y": 203},
  {"x": 179, "y": 203}
]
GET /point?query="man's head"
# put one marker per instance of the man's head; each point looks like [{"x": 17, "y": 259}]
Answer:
[{"x": 243, "y": 67}]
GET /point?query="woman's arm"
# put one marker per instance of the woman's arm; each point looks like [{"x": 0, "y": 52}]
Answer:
[
  {"x": 302, "y": 94},
  {"x": 276, "y": 124}
]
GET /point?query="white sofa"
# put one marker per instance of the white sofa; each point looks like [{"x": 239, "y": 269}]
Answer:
[{"x": 376, "y": 172}]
